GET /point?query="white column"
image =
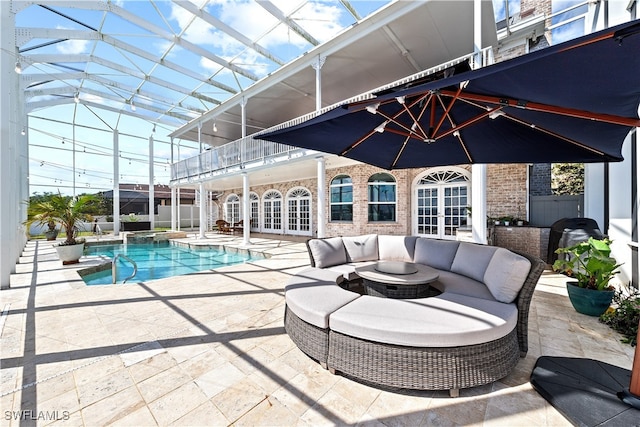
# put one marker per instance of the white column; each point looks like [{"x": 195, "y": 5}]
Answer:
[
  {"x": 173, "y": 193},
  {"x": 116, "y": 183},
  {"x": 243, "y": 109},
  {"x": 200, "y": 137},
  {"x": 246, "y": 229},
  {"x": 203, "y": 211},
  {"x": 478, "y": 172},
  {"x": 152, "y": 202},
  {"x": 477, "y": 31},
  {"x": 11, "y": 110},
  {"x": 73, "y": 150},
  {"x": 318, "y": 66},
  {"x": 178, "y": 208},
  {"x": 479, "y": 203},
  {"x": 174, "y": 200},
  {"x": 322, "y": 199}
]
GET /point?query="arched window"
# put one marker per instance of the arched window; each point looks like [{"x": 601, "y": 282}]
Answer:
[
  {"x": 341, "y": 198},
  {"x": 382, "y": 197}
]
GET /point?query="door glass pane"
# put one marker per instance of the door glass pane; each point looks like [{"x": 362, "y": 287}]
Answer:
[
  {"x": 305, "y": 217},
  {"x": 293, "y": 215},
  {"x": 427, "y": 216},
  {"x": 455, "y": 213}
]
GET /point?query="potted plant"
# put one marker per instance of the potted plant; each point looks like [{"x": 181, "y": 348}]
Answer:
[
  {"x": 52, "y": 231},
  {"x": 506, "y": 220},
  {"x": 592, "y": 265},
  {"x": 68, "y": 212},
  {"x": 132, "y": 222}
]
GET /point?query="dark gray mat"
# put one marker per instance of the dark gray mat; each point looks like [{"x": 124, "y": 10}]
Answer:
[{"x": 585, "y": 390}]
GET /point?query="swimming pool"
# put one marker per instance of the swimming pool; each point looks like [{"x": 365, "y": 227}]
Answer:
[{"x": 159, "y": 260}]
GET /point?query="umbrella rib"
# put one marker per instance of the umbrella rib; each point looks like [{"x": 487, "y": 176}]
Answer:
[
  {"x": 358, "y": 142},
  {"x": 416, "y": 121},
  {"x": 453, "y": 125},
  {"x": 393, "y": 118},
  {"x": 404, "y": 144},
  {"x": 534, "y": 106},
  {"x": 548, "y": 132},
  {"x": 464, "y": 147},
  {"x": 447, "y": 109},
  {"x": 467, "y": 123}
]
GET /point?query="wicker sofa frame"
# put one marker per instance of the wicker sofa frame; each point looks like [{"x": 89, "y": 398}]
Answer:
[{"x": 422, "y": 368}]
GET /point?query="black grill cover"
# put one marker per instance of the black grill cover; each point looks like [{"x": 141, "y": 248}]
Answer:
[{"x": 568, "y": 231}]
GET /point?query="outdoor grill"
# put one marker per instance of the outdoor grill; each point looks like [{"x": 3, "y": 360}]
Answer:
[{"x": 569, "y": 231}]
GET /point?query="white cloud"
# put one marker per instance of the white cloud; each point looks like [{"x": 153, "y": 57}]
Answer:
[
  {"x": 72, "y": 47},
  {"x": 251, "y": 19},
  {"x": 320, "y": 20},
  {"x": 198, "y": 31}
]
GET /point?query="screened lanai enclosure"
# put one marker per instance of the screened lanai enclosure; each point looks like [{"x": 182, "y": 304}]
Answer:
[{"x": 103, "y": 94}]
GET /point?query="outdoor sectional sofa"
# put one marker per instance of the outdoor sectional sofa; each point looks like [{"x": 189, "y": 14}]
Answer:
[{"x": 471, "y": 334}]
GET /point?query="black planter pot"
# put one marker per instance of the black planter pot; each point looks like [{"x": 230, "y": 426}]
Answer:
[
  {"x": 51, "y": 235},
  {"x": 135, "y": 226},
  {"x": 589, "y": 301}
]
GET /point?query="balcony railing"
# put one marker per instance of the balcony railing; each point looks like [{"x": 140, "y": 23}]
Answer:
[{"x": 230, "y": 157}]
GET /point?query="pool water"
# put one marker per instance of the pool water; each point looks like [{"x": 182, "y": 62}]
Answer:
[{"x": 159, "y": 260}]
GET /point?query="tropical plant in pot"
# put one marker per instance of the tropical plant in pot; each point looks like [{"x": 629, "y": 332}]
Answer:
[
  {"x": 68, "y": 212},
  {"x": 52, "y": 232},
  {"x": 593, "y": 267}
]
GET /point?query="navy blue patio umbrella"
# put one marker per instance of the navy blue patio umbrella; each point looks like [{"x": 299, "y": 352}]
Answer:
[{"x": 572, "y": 102}]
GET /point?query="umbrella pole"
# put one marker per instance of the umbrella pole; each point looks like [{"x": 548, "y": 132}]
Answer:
[{"x": 632, "y": 395}]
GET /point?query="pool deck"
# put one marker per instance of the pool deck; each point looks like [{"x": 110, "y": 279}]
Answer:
[{"x": 210, "y": 349}]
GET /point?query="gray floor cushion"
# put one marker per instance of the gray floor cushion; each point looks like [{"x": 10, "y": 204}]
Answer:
[{"x": 449, "y": 320}]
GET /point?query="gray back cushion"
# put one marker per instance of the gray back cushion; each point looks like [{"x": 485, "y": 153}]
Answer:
[
  {"x": 327, "y": 252},
  {"x": 472, "y": 260},
  {"x": 436, "y": 253},
  {"x": 506, "y": 274},
  {"x": 396, "y": 248},
  {"x": 361, "y": 248}
]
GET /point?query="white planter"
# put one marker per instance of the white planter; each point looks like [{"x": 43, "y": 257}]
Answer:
[{"x": 70, "y": 254}]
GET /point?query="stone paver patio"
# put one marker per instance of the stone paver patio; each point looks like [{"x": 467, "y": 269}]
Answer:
[{"x": 210, "y": 349}]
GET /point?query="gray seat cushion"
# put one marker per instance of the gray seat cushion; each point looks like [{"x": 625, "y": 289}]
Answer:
[
  {"x": 462, "y": 285},
  {"x": 313, "y": 295},
  {"x": 396, "y": 248},
  {"x": 361, "y": 248},
  {"x": 472, "y": 260},
  {"x": 435, "y": 253},
  {"x": 449, "y": 320},
  {"x": 327, "y": 252},
  {"x": 506, "y": 274}
]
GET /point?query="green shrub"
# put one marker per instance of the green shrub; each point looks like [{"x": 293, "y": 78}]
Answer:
[{"x": 625, "y": 316}]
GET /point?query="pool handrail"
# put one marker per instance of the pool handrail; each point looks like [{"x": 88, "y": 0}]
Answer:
[{"x": 114, "y": 268}]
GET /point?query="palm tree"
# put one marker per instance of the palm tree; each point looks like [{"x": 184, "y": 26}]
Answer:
[{"x": 64, "y": 210}]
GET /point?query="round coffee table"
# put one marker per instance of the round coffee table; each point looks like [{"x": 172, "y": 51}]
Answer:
[{"x": 397, "y": 279}]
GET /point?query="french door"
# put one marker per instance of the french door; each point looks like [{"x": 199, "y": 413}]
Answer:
[
  {"x": 299, "y": 212},
  {"x": 441, "y": 198},
  {"x": 272, "y": 212}
]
